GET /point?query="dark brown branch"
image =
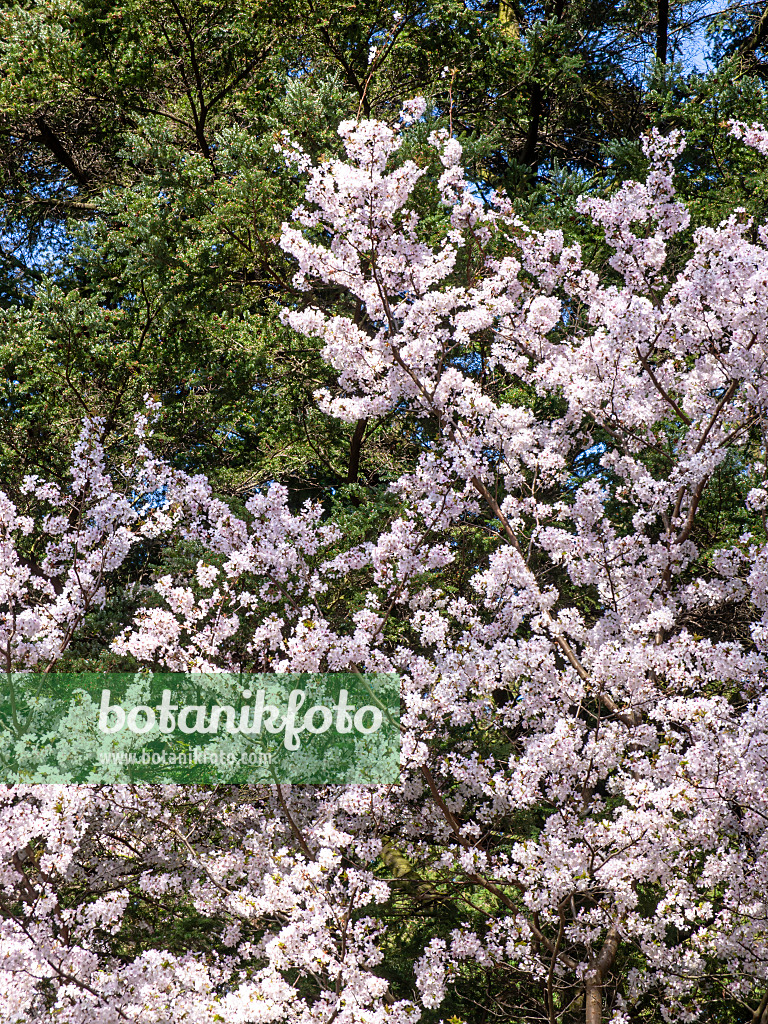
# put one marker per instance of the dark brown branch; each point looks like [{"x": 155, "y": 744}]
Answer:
[
  {"x": 662, "y": 390},
  {"x": 347, "y": 69},
  {"x": 50, "y": 139},
  {"x": 355, "y": 448},
  {"x": 758, "y": 35},
  {"x": 294, "y": 827}
]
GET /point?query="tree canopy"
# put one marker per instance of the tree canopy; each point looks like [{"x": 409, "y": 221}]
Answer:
[{"x": 495, "y": 422}]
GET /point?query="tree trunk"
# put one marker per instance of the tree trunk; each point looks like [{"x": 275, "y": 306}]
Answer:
[
  {"x": 508, "y": 19},
  {"x": 758, "y": 1017},
  {"x": 594, "y": 998},
  {"x": 594, "y": 977},
  {"x": 354, "y": 451},
  {"x": 662, "y": 30},
  {"x": 530, "y": 156}
]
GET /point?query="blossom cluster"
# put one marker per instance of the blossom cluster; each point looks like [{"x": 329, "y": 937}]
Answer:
[{"x": 637, "y": 737}]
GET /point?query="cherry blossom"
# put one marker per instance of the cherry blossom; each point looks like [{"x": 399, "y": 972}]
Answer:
[{"x": 583, "y": 748}]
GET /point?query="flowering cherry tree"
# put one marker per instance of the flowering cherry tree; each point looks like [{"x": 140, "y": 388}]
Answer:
[{"x": 584, "y": 741}]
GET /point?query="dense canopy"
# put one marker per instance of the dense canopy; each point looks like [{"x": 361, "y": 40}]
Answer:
[{"x": 425, "y": 339}]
